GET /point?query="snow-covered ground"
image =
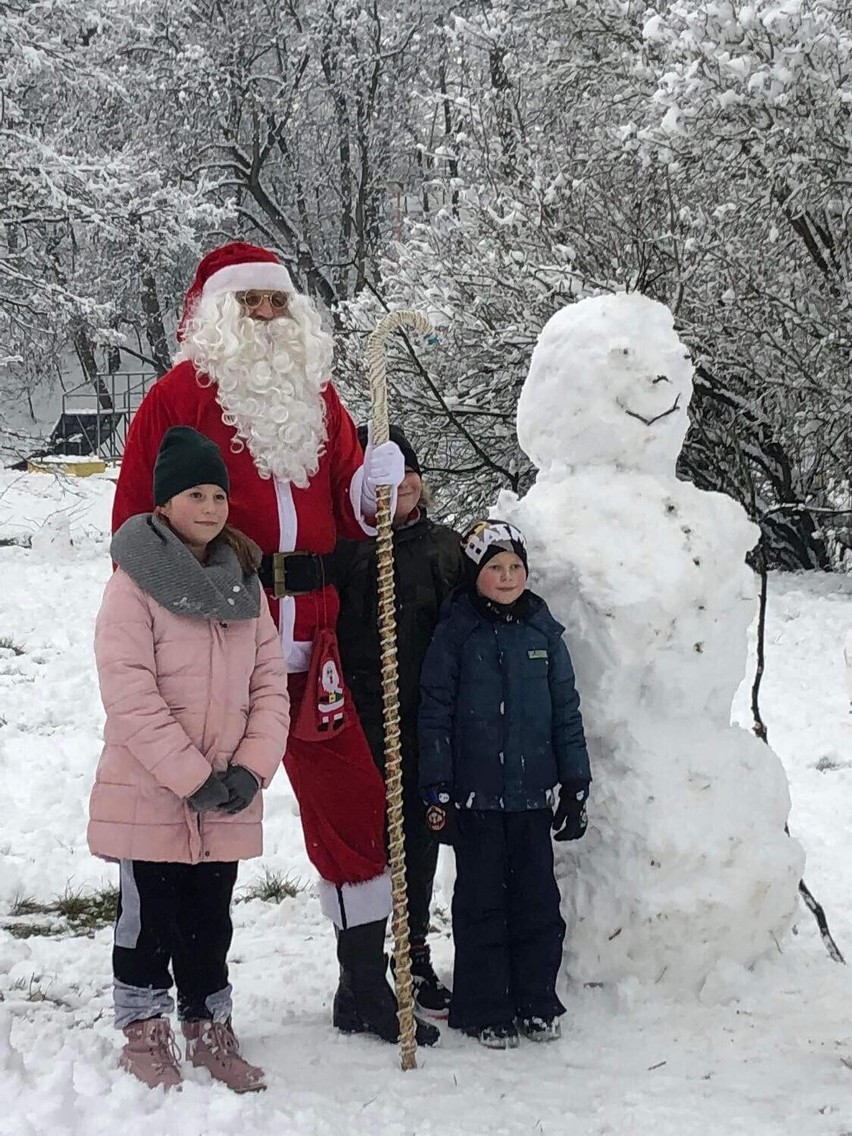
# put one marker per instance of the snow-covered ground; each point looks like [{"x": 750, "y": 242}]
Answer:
[{"x": 757, "y": 1052}]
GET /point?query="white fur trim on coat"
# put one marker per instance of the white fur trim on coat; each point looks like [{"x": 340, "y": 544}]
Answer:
[{"x": 352, "y": 905}]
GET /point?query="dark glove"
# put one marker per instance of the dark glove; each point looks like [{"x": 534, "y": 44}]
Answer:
[
  {"x": 241, "y": 786},
  {"x": 440, "y": 812},
  {"x": 211, "y": 795},
  {"x": 569, "y": 820}
]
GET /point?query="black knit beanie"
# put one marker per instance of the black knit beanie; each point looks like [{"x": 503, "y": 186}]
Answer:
[
  {"x": 186, "y": 459},
  {"x": 485, "y": 539},
  {"x": 396, "y": 435}
]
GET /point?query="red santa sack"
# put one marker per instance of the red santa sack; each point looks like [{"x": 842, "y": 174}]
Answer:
[{"x": 327, "y": 706}]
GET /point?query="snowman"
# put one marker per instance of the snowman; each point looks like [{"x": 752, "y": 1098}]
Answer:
[{"x": 686, "y": 870}]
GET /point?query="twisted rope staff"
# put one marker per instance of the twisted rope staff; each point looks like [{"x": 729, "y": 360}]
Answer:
[{"x": 390, "y": 690}]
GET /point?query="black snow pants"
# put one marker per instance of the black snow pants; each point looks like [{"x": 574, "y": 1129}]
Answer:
[
  {"x": 507, "y": 927},
  {"x": 178, "y": 915},
  {"x": 421, "y": 861}
]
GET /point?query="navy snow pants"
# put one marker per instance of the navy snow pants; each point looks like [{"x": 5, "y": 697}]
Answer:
[{"x": 507, "y": 927}]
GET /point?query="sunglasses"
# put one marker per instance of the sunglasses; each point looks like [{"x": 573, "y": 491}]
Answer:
[{"x": 252, "y": 299}]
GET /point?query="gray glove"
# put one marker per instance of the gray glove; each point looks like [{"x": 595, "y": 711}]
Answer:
[
  {"x": 241, "y": 785},
  {"x": 211, "y": 795}
]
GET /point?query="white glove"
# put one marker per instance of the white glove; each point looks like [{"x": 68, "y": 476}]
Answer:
[{"x": 383, "y": 465}]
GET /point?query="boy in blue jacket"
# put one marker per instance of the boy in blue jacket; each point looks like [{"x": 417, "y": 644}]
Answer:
[{"x": 500, "y": 729}]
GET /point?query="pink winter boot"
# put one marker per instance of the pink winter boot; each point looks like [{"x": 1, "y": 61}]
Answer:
[
  {"x": 151, "y": 1053},
  {"x": 213, "y": 1046}
]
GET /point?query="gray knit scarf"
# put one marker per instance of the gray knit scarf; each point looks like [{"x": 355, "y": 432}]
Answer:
[{"x": 158, "y": 561}]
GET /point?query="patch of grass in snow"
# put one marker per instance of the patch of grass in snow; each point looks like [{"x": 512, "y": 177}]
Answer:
[
  {"x": 88, "y": 911},
  {"x": 29, "y": 930},
  {"x": 16, "y": 541},
  {"x": 73, "y": 913},
  {"x": 827, "y": 763},
  {"x": 24, "y": 905},
  {"x": 272, "y": 887},
  {"x": 8, "y": 644},
  {"x": 33, "y": 992}
]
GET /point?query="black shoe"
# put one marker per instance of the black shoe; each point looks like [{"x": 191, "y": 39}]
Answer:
[
  {"x": 364, "y": 1003},
  {"x": 377, "y": 1017},
  {"x": 431, "y": 996},
  {"x": 425, "y": 1033},
  {"x": 494, "y": 1037},
  {"x": 540, "y": 1029}
]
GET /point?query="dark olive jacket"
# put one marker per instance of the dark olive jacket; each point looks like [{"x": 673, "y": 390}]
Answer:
[{"x": 428, "y": 565}]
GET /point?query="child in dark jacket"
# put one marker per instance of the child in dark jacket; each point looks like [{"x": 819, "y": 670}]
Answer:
[
  {"x": 428, "y": 566},
  {"x": 500, "y": 729}
]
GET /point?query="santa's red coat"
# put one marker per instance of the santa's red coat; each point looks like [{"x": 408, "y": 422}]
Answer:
[{"x": 341, "y": 793}]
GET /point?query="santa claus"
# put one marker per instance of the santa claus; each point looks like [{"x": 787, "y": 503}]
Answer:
[{"x": 253, "y": 374}]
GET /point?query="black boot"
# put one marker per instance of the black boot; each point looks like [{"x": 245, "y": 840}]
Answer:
[
  {"x": 432, "y": 998},
  {"x": 364, "y": 1003}
]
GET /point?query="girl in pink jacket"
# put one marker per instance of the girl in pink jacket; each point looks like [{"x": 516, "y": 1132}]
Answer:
[{"x": 195, "y": 690}]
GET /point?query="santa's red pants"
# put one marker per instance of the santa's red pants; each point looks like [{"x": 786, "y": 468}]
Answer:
[{"x": 341, "y": 799}]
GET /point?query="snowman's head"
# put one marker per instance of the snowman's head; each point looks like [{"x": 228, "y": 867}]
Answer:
[{"x": 609, "y": 384}]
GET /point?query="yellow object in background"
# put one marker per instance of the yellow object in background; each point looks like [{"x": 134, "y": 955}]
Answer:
[{"x": 71, "y": 466}]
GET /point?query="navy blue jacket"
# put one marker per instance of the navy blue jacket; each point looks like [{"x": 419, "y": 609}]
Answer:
[{"x": 499, "y": 713}]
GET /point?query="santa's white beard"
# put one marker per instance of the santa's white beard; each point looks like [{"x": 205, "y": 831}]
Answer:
[{"x": 269, "y": 375}]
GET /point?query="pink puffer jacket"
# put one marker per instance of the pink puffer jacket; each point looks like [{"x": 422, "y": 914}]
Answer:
[{"x": 182, "y": 695}]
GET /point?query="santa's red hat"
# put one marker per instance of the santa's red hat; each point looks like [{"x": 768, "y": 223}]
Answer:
[{"x": 235, "y": 267}]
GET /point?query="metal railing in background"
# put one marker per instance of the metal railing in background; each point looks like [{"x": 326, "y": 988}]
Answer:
[{"x": 95, "y": 419}]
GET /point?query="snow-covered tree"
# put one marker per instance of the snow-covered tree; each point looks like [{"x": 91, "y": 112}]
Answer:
[{"x": 751, "y": 121}]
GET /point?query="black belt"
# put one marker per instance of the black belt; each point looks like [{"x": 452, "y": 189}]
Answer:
[{"x": 294, "y": 573}]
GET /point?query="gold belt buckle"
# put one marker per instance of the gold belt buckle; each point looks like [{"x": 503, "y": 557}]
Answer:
[{"x": 279, "y": 575}]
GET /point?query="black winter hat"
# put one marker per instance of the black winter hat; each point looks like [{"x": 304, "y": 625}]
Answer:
[
  {"x": 485, "y": 539},
  {"x": 396, "y": 435},
  {"x": 187, "y": 458}
]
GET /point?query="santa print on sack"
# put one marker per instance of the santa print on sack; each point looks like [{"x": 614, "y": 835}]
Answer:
[
  {"x": 329, "y": 710},
  {"x": 331, "y": 697}
]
